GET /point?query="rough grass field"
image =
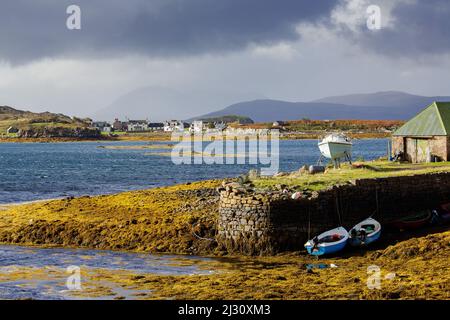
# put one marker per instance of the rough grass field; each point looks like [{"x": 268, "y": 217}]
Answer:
[{"x": 361, "y": 170}]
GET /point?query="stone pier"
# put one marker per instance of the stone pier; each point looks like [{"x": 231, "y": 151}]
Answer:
[{"x": 265, "y": 223}]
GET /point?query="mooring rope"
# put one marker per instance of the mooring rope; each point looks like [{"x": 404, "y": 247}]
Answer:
[
  {"x": 199, "y": 237},
  {"x": 337, "y": 208},
  {"x": 377, "y": 207},
  {"x": 309, "y": 222},
  {"x": 376, "y": 200}
]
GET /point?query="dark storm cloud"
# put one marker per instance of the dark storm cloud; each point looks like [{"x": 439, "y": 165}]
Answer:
[
  {"x": 31, "y": 30},
  {"x": 421, "y": 28}
]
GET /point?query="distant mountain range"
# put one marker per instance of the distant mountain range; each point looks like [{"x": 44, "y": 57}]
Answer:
[
  {"x": 157, "y": 104},
  {"x": 390, "y": 105}
]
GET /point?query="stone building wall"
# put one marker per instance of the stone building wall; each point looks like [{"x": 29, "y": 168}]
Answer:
[
  {"x": 439, "y": 146},
  {"x": 397, "y": 145},
  {"x": 266, "y": 223}
]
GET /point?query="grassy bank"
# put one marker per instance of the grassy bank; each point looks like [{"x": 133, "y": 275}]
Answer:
[{"x": 360, "y": 170}]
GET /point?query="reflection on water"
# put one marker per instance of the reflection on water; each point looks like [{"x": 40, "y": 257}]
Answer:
[{"x": 35, "y": 273}]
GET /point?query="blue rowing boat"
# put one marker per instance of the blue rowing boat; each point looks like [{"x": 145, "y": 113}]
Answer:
[
  {"x": 364, "y": 233},
  {"x": 328, "y": 242}
]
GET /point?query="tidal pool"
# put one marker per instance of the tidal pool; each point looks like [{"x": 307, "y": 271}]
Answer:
[{"x": 42, "y": 273}]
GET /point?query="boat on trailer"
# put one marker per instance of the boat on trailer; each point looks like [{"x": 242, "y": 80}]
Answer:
[
  {"x": 328, "y": 242},
  {"x": 336, "y": 146},
  {"x": 364, "y": 233}
]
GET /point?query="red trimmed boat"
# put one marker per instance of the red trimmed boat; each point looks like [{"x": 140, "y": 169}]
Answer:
[
  {"x": 415, "y": 221},
  {"x": 444, "y": 212}
]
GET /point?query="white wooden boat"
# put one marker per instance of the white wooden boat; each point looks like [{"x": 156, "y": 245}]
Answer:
[
  {"x": 364, "y": 233},
  {"x": 335, "y": 146},
  {"x": 328, "y": 242}
]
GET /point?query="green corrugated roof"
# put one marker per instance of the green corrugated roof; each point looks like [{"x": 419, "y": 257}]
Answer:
[{"x": 434, "y": 120}]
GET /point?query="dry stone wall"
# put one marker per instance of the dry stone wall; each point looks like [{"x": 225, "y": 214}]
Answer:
[{"x": 260, "y": 223}]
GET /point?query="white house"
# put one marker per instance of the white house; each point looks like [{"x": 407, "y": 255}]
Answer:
[
  {"x": 137, "y": 125},
  {"x": 197, "y": 126},
  {"x": 11, "y": 130},
  {"x": 102, "y": 126},
  {"x": 173, "y": 125},
  {"x": 221, "y": 126},
  {"x": 278, "y": 123},
  {"x": 156, "y": 126}
]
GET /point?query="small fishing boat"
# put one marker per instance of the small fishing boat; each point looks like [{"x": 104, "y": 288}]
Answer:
[
  {"x": 328, "y": 242},
  {"x": 414, "y": 221},
  {"x": 443, "y": 213},
  {"x": 335, "y": 146},
  {"x": 364, "y": 233}
]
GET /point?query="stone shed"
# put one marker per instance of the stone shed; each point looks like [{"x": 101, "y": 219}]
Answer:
[{"x": 426, "y": 137}]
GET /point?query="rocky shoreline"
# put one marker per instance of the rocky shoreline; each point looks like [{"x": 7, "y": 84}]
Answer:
[
  {"x": 182, "y": 219},
  {"x": 155, "y": 220}
]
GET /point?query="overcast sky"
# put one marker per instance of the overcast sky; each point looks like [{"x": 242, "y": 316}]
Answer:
[{"x": 218, "y": 51}]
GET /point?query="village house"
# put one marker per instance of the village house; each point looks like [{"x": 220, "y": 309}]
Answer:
[
  {"x": 426, "y": 137},
  {"x": 197, "y": 126},
  {"x": 12, "y": 130},
  {"x": 200, "y": 126},
  {"x": 102, "y": 126},
  {"x": 174, "y": 125},
  {"x": 156, "y": 126},
  {"x": 119, "y": 125},
  {"x": 220, "y": 126},
  {"x": 278, "y": 123},
  {"x": 137, "y": 125}
]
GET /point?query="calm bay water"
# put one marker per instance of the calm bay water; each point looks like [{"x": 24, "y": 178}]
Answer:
[
  {"x": 36, "y": 171},
  {"x": 33, "y": 171}
]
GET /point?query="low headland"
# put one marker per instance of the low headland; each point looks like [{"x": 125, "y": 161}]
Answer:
[
  {"x": 182, "y": 219},
  {"x": 24, "y": 126}
]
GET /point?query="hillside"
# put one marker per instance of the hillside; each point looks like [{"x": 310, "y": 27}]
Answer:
[
  {"x": 229, "y": 119},
  {"x": 395, "y": 99},
  {"x": 35, "y": 123},
  {"x": 272, "y": 110},
  {"x": 390, "y": 105}
]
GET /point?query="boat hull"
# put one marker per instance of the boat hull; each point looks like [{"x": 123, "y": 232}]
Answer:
[
  {"x": 356, "y": 242},
  {"x": 409, "y": 223},
  {"x": 445, "y": 212},
  {"x": 324, "y": 248},
  {"x": 372, "y": 235},
  {"x": 335, "y": 150}
]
